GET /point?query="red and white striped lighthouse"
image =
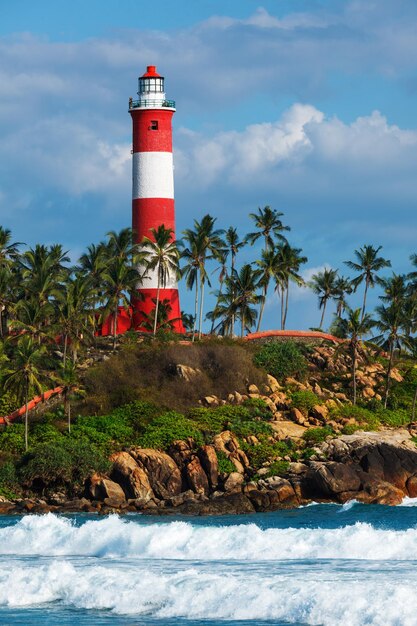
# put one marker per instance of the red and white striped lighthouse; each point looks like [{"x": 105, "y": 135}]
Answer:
[{"x": 153, "y": 184}]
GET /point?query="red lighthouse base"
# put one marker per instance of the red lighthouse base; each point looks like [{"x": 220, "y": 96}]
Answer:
[{"x": 143, "y": 308}]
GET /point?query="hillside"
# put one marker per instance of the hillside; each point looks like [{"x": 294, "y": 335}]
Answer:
[{"x": 218, "y": 426}]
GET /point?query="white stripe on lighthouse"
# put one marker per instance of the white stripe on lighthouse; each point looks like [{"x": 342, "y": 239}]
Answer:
[
  {"x": 153, "y": 175},
  {"x": 150, "y": 280}
]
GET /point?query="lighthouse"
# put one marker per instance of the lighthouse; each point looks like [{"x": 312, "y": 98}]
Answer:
[{"x": 153, "y": 186}]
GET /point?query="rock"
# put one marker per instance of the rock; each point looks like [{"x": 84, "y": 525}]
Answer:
[
  {"x": 411, "y": 486},
  {"x": 297, "y": 468},
  {"x": 273, "y": 384},
  {"x": 368, "y": 392},
  {"x": 103, "y": 488},
  {"x": 329, "y": 479},
  {"x": 297, "y": 416},
  {"x": 320, "y": 411},
  {"x": 227, "y": 443},
  {"x": 208, "y": 459},
  {"x": 395, "y": 375},
  {"x": 163, "y": 473},
  {"x": 211, "y": 401},
  {"x": 380, "y": 492},
  {"x": 131, "y": 476},
  {"x": 187, "y": 373},
  {"x": 284, "y": 429},
  {"x": 196, "y": 476},
  {"x": 182, "y": 452},
  {"x": 253, "y": 389},
  {"x": 7, "y": 507},
  {"x": 233, "y": 482}
]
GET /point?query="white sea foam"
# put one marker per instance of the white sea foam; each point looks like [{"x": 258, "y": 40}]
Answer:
[
  {"x": 328, "y": 598},
  {"x": 50, "y": 535},
  {"x": 409, "y": 502}
]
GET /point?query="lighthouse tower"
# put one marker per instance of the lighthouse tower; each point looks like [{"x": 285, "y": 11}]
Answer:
[{"x": 153, "y": 185}]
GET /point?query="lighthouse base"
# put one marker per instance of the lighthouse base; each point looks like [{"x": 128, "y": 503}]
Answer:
[{"x": 169, "y": 315}]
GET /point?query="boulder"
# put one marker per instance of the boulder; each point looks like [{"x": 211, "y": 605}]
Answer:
[
  {"x": 163, "y": 473},
  {"x": 284, "y": 429},
  {"x": 297, "y": 416},
  {"x": 329, "y": 479},
  {"x": 273, "y": 384},
  {"x": 233, "y": 482},
  {"x": 320, "y": 412},
  {"x": 102, "y": 488},
  {"x": 208, "y": 459},
  {"x": 253, "y": 389},
  {"x": 196, "y": 476},
  {"x": 131, "y": 476},
  {"x": 187, "y": 373},
  {"x": 412, "y": 486}
]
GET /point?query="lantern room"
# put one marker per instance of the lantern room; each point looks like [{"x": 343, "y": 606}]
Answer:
[{"x": 151, "y": 82}]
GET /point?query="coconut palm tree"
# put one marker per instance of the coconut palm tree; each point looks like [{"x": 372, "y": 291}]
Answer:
[
  {"x": 368, "y": 264},
  {"x": 354, "y": 327},
  {"x": 394, "y": 335},
  {"x": 245, "y": 286},
  {"x": 208, "y": 244},
  {"x": 9, "y": 250},
  {"x": 289, "y": 261},
  {"x": 92, "y": 265},
  {"x": 119, "y": 281},
  {"x": 160, "y": 254},
  {"x": 268, "y": 266},
  {"x": 191, "y": 269},
  {"x": 25, "y": 374},
  {"x": 343, "y": 288},
  {"x": 269, "y": 225},
  {"x": 121, "y": 245},
  {"x": 74, "y": 311},
  {"x": 324, "y": 285},
  {"x": 68, "y": 380}
]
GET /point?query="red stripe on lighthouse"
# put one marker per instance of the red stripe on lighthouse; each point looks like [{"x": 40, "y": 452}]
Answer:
[
  {"x": 152, "y": 130},
  {"x": 150, "y": 213}
]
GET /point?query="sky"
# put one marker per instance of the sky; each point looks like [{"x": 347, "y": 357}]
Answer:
[{"x": 308, "y": 106}]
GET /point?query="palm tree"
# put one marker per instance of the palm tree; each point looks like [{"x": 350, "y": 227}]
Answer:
[
  {"x": 119, "y": 280},
  {"x": 121, "y": 245},
  {"x": 343, "y": 288},
  {"x": 9, "y": 251},
  {"x": 160, "y": 254},
  {"x": 288, "y": 264},
  {"x": 25, "y": 374},
  {"x": 32, "y": 319},
  {"x": 394, "y": 334},
  {"x": 7, "y": 295},
  {"x": 268, "y": 267},
  {"x": 245, "y": 286},
  {"x": 190, "y": 271},
  {"x": 268, "y": 224},
  {"x": 68, "y": 380},
  {"x": 74, "y": 312},
  {"x": 233, "y": 245},
  {"x": 208, "y": 244},
  {"x": 367, "y": 263},
  {"x": 354, "y": 327},
  {"x": 92, "y": 265},
  {"x": 324, "y": 285}
]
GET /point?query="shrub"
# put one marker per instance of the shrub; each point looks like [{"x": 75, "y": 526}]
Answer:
[
  {"x": 395, "y": 418},
  {"x": 314, "y": 436},
  {"x": 12, "y": 439},
  {"x": 65, "y": 467},
  {"x": 225, "y": 464},
  {"x": 304, "y": 400},
  {"x": 277, "y": 468},
  {"x": 116, "y": 428},
  {"x": 138, "y": 414},
  {"x": 364, "y": 417},
  {"x": 44, "y": 433},
  {"x": 266, "y": 451},
  {"x": 8, "y": 480},
  {"x": 8, "y": 403},
  {"x": 169, "y": 427},
  {"x": 282, "y": 359}
]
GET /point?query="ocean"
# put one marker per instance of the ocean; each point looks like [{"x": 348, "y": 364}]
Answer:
[{"x": 323, "y": 564}]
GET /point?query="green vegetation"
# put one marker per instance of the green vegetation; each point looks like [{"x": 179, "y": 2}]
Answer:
[
  {"x": 282, "y": 359},
  {"x": 314, "y": 436},
  {"x": 304, "y": 400},
  {"x": 225, "y": 465}
]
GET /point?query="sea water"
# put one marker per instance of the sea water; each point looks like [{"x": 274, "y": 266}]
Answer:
[{"x": 322, "y": 564}]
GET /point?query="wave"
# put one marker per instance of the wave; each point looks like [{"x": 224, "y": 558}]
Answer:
[
  {"x": 219, "y": 595},
  {"x": 50, "y": 535}
]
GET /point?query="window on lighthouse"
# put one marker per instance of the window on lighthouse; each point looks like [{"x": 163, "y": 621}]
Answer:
[
  {"x": 151, "y": 85},
  {"x": 154, "y": 125}
]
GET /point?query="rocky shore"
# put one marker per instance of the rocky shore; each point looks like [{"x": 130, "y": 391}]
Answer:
[{"x": 370, "y": 467}]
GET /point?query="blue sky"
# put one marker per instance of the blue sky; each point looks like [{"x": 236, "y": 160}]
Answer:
[{"x": 308, "y": 106}]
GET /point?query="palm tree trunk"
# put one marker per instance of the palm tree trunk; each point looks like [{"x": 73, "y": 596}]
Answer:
[
  {"x": 391, "y": 357},
  {"x": 217, "y": 303},
  {"x": 1, "y": 322},
  {"x": 155, "y": 324},
  {"x": 261, "y": 312},
  {"x": 287, "y": 291},
  {"x": 364, "y": 299},
  {"x": 413, "y": 411},
  {"x": 242, "y": 328},
  {"x": 64, "y": 356},
  {"x": 354, "y": 374},
  {"x": 26, "y": 417},
  {"x": 282, "y": 308},
  {"x": 232, "y": 320},
  {"x": 195, "y": 310},
  {"x": 322, "y": 315},
  {"x": 200, "y": 325},
  {"x": 116, "y": 311}
]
